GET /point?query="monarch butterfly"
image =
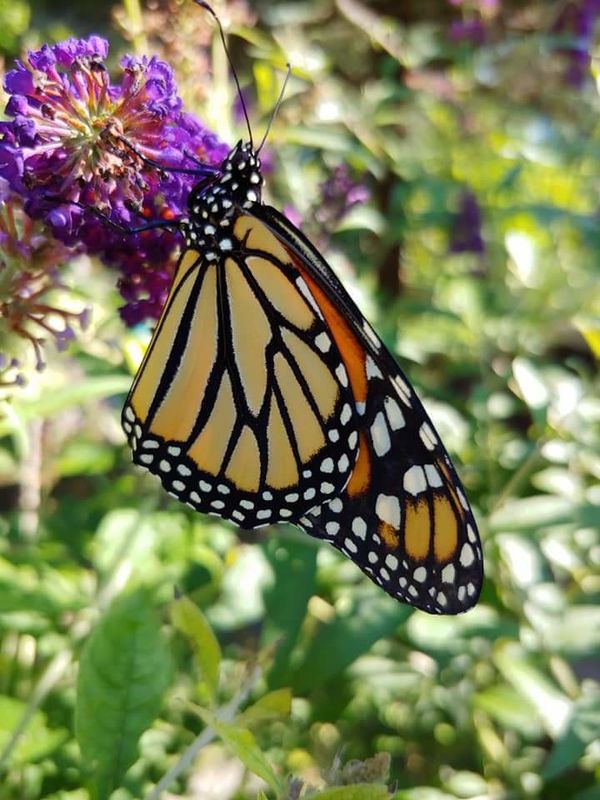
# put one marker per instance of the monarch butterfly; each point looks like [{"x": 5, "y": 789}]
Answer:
[{"x": 265, "y": 396}]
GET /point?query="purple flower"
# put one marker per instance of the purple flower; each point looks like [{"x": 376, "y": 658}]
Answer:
[
  {"x": 75, "y": 142},
  {"x": 338, "y": 194},
  {"x": 472, "y": 30},
  {"x": 29, "y": 261},
  {"x": 578, "y": 20},
  {"x": 465, "y": 234}
]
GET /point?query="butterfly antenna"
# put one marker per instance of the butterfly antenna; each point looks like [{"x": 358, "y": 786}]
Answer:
[
  {"x": 276, "y": 108},
  {"x": 234, "y": 73}
]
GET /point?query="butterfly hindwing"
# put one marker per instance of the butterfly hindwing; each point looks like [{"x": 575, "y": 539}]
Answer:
[{"x": 403, "y": 516}]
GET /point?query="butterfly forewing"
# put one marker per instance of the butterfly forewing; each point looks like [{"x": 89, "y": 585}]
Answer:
[
  {"x": 403, "y": 516},
  {"x": 242, "y": 406}
]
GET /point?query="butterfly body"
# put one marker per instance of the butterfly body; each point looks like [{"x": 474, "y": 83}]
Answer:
[{"x": 266, "y": 397}]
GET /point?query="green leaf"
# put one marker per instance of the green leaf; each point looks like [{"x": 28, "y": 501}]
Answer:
[
  {"x": 189, "y": 620},
  {"x": 509, "y": 709},
  {"x": 125, "y": 668},
  {"x": 69, "y": 396},
  {"x": 360, "y": 791},
  {"x": 37, "y": 741},
  {"x": 273, "y": 705},
  {"x": 582, "y": 729},
  {"x": 340, "y": 642},
  {"x": 294, "y": 565},
  {"x": 551, "y": 705}
]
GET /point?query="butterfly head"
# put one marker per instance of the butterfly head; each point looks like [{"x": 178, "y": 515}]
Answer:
[
  {"x": 238, "y": 184},
  {"x": 241, "y": 176}
]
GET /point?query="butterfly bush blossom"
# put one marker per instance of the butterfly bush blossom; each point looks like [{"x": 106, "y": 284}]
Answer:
[
  {"x": 74, "y": 148},
  {"x": 30, "y": 261}
]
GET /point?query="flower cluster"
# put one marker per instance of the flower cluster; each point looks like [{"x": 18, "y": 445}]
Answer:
[
  {"x": 77, "y": 147},
  {"x": 30, "y": 259}
]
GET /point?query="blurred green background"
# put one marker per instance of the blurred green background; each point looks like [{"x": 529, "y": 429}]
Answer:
[{"x": 474, "y": 126}]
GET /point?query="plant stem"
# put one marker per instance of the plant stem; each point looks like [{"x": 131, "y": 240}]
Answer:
[{"x": 225, "y": 714}]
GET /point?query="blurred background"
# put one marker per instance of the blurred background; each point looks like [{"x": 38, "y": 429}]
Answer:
[{"x": 444, "y": 156}]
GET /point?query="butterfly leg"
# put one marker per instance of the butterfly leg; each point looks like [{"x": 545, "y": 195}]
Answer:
[{"x": 124, "y": 229}]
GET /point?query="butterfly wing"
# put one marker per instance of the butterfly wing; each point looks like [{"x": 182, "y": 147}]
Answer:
[
  {"x": 403, "y": 517},
  {"x": 242, "y": 405}
]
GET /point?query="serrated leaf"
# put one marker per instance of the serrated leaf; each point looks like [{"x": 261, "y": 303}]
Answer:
[
  {"x": 360, "y": 791},
  {"x": 125, "y": 668},
  {"x": 273, "y": 705},
  {"x": 189, "y": 620}
]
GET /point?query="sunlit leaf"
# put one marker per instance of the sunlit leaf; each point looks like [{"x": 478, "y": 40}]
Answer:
[
  {"x": 581, "y": 731},
  {"x": 189, "y": 620},
  {"x": 552, "y": 706},
  {"x": 273, "y": 705},
  {"x": 363, "y": 791}
]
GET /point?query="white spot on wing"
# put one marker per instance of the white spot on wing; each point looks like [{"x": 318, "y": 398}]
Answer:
[
  {"x": 380, "y": 435},
  {"x": 392, "y": 562},
  {"x": 373, "y": 370},
  {"x": 306, "y": 293},
  {"x": 433, "y": 476},
  {"x": 387, "y": 509},
  {"x": 420, "y": 575},
  {"x": 466, "y": 555},
  {"x": 371, "y": 335},
  {"x": 428, "y": 437},
  {"x": 323, "y": 341},
  {"x": 359, "y": 527},
  {"x": 342, "y": 375},
  {"x": 394, "y": 414},
  {"x": 402, "y": 388},
  {"x": 414, "y": 480}
]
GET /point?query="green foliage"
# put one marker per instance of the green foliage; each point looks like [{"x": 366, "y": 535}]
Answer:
[
  {"x": 290, "y": 655},
  {"x": 188, "y": 619},
  {"x": 124, "y": 670}
]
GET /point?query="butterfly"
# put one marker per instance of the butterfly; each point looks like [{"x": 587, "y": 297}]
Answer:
[{"x": 265, "y": 396}]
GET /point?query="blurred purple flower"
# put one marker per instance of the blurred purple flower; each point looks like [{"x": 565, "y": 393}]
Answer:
[
  {"x": 579, "y": 20},
  {"x": 29, "y": 261},
  {"x": 472, "y": 30},
  {"x": 338, "y": 194},
  {"x": 465, "y": 236},
  {"x": 71, "y": 137}
]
